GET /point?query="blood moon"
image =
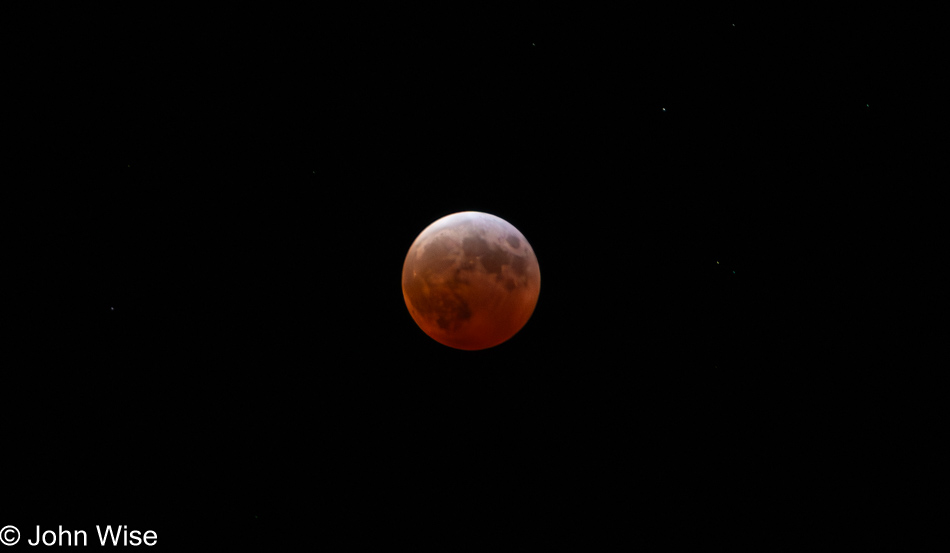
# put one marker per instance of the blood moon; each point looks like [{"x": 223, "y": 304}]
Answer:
[{"x": 471, "y": 280}]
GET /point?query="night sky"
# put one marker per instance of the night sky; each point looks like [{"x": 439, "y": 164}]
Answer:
[{"x": 219, "y": 348}]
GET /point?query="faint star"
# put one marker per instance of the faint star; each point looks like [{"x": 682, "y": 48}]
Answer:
[
  {"x": 664, "y": 109},
  {"x": 112, "y": 309}
]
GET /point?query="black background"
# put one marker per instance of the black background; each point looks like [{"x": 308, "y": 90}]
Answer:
[{"x": 217, "y": 346}]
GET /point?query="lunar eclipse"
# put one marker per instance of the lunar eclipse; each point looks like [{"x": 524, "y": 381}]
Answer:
[{"x": 471, "y": 280}]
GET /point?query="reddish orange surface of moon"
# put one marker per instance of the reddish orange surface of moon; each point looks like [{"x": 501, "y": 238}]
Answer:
[{"x": 471, "y": 280}]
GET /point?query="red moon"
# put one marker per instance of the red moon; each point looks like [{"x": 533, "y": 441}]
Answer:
[{"x": 471, "y": 280}]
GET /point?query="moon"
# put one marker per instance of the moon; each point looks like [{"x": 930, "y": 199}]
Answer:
[{"x": 471, "y": 280}]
